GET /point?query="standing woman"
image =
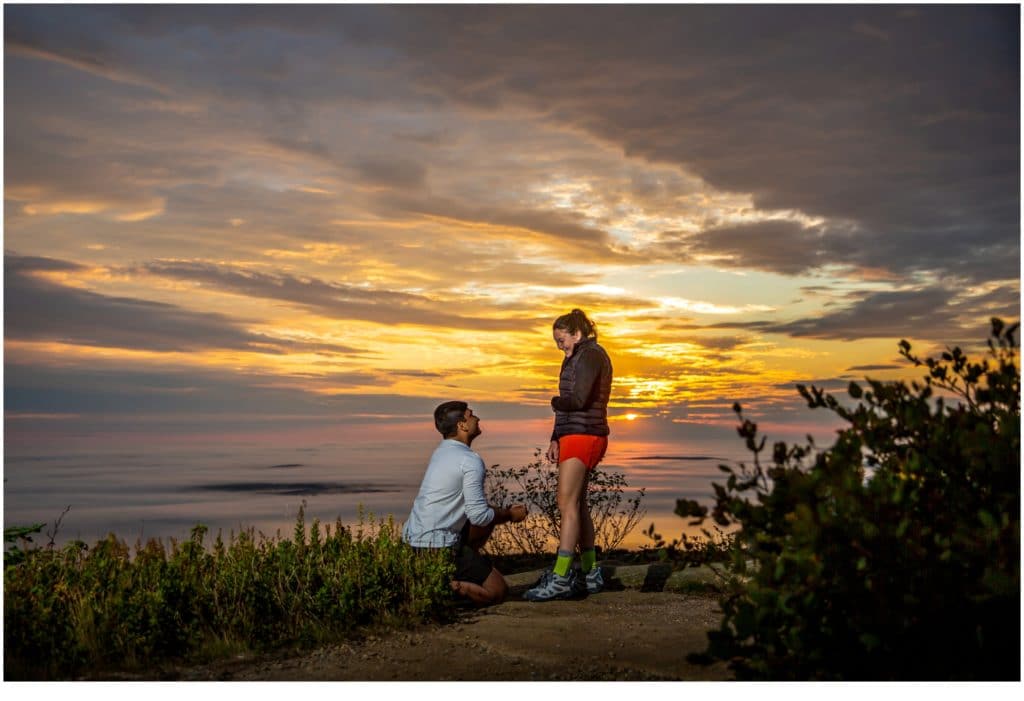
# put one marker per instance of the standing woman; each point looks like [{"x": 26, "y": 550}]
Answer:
[{"x": 578, "y": 442}]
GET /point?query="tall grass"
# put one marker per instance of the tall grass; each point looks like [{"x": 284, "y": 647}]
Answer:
[{"x": 76, "y": 608}]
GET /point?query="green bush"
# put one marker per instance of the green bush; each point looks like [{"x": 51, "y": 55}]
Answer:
[
  {"x": 536, "y": 485},
  {"x": 895, "y": 553},
  {"x": 100, "y": 608}
]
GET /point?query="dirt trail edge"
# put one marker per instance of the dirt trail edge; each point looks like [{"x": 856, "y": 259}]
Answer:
[{"x": 641, "y": 628}]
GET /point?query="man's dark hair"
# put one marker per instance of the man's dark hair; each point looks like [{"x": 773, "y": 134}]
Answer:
[{"x": 447, "y": 417}]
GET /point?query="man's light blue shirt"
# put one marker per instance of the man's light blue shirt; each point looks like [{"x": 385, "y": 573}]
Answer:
[{"x": 452, "y": 491}]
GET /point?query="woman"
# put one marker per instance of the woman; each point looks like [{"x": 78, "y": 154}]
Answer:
[{"x": 578, "y": 442}]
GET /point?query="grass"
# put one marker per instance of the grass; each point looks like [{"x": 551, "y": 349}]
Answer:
[
  {"x": 106, "y": 607},
  {"x": 111, "y": 608}
]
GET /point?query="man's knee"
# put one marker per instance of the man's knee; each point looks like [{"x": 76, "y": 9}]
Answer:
[
  {"x": 496, "y": 587},
  {"x": 498, "y": 596}
]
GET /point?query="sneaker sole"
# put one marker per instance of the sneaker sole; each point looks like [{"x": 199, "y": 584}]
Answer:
[{"x": 556, "y": 597}]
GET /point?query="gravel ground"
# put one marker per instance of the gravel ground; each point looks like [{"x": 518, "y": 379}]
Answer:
[{"x": 640, "y": 629}]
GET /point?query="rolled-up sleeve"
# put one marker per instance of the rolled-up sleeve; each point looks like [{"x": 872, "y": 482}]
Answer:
[{"x": 478, "y": 511}]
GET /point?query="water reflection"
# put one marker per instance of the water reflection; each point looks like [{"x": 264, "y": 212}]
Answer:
[{"x": 139, "y": 494}]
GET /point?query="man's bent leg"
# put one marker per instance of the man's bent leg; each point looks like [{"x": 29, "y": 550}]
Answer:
[
  {"x": 493, "y": 590},
  {"x": 477, "y": 579}
]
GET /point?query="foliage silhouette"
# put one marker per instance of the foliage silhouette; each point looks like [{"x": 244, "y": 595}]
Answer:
[
  {"x": 536, "y": 485},
  {"x": 895, "y": 553}
]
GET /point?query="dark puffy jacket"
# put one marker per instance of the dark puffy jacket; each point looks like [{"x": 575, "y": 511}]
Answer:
[{"x": 584, "y": 386}]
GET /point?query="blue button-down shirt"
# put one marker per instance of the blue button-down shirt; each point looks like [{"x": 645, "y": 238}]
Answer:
[{"x": 452, "y": 491}]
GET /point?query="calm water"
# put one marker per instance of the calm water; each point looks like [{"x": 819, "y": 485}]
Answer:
[{"x": 163, "y": 492}]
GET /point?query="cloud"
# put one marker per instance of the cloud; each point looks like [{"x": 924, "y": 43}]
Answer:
[
  {"x": 929, "y": 313},
  {"x": 775, "y": 246},
  {"x": 83, "y": 393},
  {"x": 556, "y": 229},
  {"x": 822, "y": 111},
  {"x": 811, "y": 115},
  {"x": 392, "y": 172},
  {"x": 476, "y": 168},
  {"x": 948, "y": 312},
  {"x": 99, "y": 388},
  {"x": 37, "y": 309},
  {"x": 343, "y": 301}
]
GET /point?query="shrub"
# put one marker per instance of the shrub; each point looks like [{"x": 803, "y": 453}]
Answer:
[
  {"x": 895, "y": 553},
  {"x": 15, "y": 535},
  {"x": 536, "y": 485},
  {"x": 66, "y": 610}
]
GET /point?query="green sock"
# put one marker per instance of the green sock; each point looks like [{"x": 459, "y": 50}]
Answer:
[
  {"x": 563, "y": 563},
  {"x": 588, "y": 558}
]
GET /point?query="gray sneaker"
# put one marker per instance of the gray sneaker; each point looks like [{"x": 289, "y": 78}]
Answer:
[
  {"x": 552, "y": 586},
  {"x": 594, "y": 580}
]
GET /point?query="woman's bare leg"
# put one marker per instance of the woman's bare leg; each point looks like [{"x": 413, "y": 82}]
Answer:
[
  {"x": 572, "y": 482},
  {"x": 586, "y": 520}
]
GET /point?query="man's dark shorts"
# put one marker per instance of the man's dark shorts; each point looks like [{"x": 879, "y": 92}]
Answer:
[{"x": 470, "y": 566}]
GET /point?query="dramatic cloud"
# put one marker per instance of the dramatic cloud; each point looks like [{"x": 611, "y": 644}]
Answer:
[
  {"x": 798, "y": 106},
  {"x": 775, "y": 246},
  {"x": 847, "y": 114},
  {"x": 342, "y": 301},
  {"x": 354, "y": 211},
  {"x": 36, "y": 309},
  {"x": 895, "y": 314}
]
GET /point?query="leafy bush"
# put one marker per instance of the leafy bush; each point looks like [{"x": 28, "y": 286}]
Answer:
[
  {"x": 74, "y": 608},
  {"x": 895, "y": 553},
  {"x": 536, "y": 485},
  {"x": 15, "y": 535}
]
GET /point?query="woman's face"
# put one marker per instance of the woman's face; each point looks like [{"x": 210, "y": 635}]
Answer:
[{"x": 566, "y": 341}]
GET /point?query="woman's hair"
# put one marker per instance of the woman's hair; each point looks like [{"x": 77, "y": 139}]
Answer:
[{"x": 575, "y": 321}]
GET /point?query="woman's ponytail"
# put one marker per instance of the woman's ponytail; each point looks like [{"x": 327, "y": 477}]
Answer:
[{"x": 575, "y": 321}]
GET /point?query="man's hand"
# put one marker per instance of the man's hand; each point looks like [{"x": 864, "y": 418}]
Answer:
[
  {"x": 552, "y": 453},
  {"x": 513, "y": 514}
]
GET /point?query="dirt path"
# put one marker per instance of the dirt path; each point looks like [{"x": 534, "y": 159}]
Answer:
[{"x": 624, "y": 634}]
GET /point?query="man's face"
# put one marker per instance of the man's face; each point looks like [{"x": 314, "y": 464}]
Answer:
[{"x": 472, "y": 422}]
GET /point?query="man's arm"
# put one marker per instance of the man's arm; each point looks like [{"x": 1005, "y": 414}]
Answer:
[
  {"x": 514, "y": 513},
  {"x": 478, "y": 511}
]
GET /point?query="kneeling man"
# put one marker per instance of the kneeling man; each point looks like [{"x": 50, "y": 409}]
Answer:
[{"x": 452, "y": 512}]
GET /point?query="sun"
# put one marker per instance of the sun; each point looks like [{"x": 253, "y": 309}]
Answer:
[{"x": 631, "y": 417}]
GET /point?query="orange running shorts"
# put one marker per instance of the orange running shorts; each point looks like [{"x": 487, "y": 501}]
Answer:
[{"x": 589, "y": 449}]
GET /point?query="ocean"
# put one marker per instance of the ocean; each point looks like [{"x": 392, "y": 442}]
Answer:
[{"x": 162, "y": 491}]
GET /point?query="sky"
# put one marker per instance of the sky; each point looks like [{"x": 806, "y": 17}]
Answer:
[{"x": 272, "y": 225}]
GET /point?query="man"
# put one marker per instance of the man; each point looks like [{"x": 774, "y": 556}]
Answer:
[{"x": 452, "y": 512}]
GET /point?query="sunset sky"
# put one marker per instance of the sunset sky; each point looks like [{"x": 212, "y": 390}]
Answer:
[{"x": 274, "y": 224}]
